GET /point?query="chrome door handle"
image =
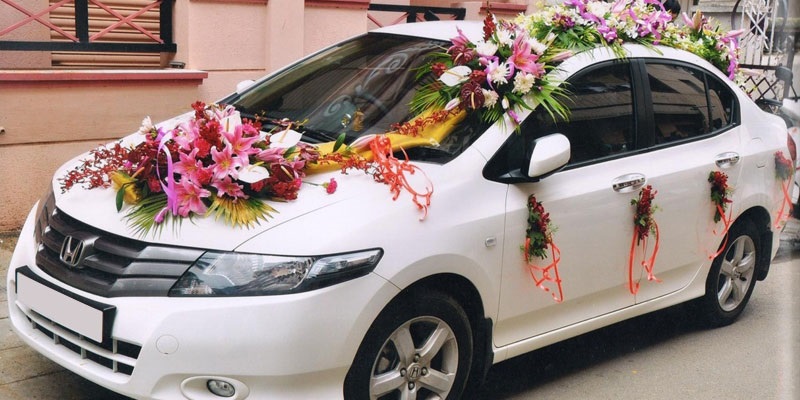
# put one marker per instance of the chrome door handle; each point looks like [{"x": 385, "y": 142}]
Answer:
[
  {"x": 727, "y": 160},
  {"x": 628, "y": 182}
]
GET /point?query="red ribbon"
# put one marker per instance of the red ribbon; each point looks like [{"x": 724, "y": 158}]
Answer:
[
  {"x": 545, "y": 272},
  {"x": 786, "y": 200},
  {"x": 392, "y": 171},
  {"x": 726, "y": 221},
  {"x": 647, "y": 264}
]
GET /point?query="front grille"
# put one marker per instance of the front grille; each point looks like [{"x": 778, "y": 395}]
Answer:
[
  {"x": 113, "y": 266},
  {"x": 117, "y": 355}
]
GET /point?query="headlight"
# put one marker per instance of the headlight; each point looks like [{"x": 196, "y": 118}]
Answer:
[{"x": 242, "y": 274}]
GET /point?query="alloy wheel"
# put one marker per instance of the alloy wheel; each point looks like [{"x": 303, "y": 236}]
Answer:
[
  {"x": 419, "y": 360},
  {"x": 736, "y": 273}
]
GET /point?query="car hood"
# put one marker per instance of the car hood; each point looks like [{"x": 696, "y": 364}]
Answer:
[{"x": 97, "y": 208}]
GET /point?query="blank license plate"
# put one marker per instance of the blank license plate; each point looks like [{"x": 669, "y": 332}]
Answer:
[{"x": 86, "y": 317}]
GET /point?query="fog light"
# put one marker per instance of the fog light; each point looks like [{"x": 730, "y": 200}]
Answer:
[{"x": 220, "y": 388}]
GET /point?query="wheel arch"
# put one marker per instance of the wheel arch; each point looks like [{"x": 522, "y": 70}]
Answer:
[
  {"x": 761, "y": 220},
  {"x": 467, "y": 295}
]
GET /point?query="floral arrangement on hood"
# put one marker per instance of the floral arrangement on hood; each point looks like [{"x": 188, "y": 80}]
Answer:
[
  {"x": 507, "y": 69},
  {"x": 213, "y": 163},
  {"x": 217, "y": 164}
]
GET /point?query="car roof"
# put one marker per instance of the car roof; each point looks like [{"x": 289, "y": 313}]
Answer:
[
  {"x": 446, "y": 30},
  {"x": 440, "y": 30}
]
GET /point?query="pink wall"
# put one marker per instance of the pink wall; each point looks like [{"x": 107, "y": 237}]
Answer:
[{"x": 51, "y": 116}]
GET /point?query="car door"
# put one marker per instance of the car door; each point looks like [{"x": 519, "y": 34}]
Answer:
[
  {"x": 696, "y": 132},
  {"x": 592, "y": 219}
]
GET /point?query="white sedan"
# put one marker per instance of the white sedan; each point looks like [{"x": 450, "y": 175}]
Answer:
[{"x": 350, "y": 295}]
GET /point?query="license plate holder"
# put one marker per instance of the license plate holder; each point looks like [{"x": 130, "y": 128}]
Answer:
[{"x": 91, "y": 319}]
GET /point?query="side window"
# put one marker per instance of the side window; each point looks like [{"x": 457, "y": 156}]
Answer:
[
  {"x": 601, "y": 118},
  {"x": 600, "y": 124},
  {"x": 680, "y": 105},
  {"x": 722, "y": 102}
]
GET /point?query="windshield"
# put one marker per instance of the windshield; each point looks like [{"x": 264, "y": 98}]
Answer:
[{"x": 364, "y": 85}]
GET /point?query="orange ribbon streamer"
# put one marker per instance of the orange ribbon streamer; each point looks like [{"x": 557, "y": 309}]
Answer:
[
  {"x": 647, "y": 264},
  {"x": 726, "y": 221},
  {"x": 787, "y": 199},
  {"x": 392, "y": 171},
  {"x": 544, "y": 272}
]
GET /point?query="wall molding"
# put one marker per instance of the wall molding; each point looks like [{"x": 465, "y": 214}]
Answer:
[
  {"x": 183, "y": 76},
  {"x": 504, "y": 8},
  {"x": 350, "y": 4}
]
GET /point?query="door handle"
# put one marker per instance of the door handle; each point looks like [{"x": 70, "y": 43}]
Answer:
[
  {"x": 726, "y": 160},
  {"x": 628, "y": 182}
]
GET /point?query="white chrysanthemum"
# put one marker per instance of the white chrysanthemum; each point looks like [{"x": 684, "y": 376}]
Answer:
[
  {"x": 486, "y": 48},
  {"x": 523, "y": 83},
  {"x": 598, "y": 8},
  {"x": 504, "y": 36},
  {"x": 498, "y": 75},
  {"x": 489, "y": 98},
  {"x": 147, "y": 125},
  {"x": 537, "y": 46}
]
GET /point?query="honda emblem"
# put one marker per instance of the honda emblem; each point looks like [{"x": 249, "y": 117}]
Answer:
[{"x": 72, "y": 251}]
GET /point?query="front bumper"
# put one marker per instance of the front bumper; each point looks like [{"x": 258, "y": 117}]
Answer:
[{"x": 286, "y": 347}]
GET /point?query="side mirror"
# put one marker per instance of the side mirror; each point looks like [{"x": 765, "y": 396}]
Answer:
[
  {"x": 549, "y": 154},
  {"x": 243, "y": 85}
]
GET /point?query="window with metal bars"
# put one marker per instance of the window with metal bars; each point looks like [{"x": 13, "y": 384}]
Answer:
[{"x": 107, "y": 34}]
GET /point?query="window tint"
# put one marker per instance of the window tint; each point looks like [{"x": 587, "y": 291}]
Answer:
[
  {"x": 369, "y": 81},
  {"x": 600, "y": 123},
  {"x": 722, "y": 101},
  {"x": 680, "y": 106}
]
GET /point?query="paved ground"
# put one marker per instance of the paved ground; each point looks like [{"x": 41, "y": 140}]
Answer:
[{"x": 658, "y": 356}]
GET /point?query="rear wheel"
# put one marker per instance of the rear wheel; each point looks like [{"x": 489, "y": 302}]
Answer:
[
  {"x": 419, "y": 347},
  {"x": 732, "y": 277}
]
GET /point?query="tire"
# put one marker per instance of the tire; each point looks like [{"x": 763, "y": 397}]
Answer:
[
  {"x": 419, "y": 347},
  {"x": 732, "y": 277}
]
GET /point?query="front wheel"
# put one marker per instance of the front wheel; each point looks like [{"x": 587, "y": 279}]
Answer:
[
  {"x": 732, "y": 277},
  {"x": 419, "y": 347}
]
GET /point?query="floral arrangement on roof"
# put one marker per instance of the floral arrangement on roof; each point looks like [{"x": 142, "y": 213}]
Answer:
[
  {"x": 705, "y": 38},
  {"x": 218, "y": 164},
  {"x": 507, "y": 70}
]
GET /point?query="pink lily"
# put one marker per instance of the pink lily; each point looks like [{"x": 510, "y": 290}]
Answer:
[
  {"x": 186, "y": 134},
  {"x": 230, "y": 188},
  {"x": 190, "y": 198},
  {"x": 271, "y": 155},
  {"x": 241, "y": 146},
  {"x": 523, "y": 59},
  {"x": 562, "y": 56},
  {"x": 461, "y": 40},
  {"x": 619, "y": 6},
  {"x": 734, "y": 34},
  {"x": 189, "y": 166},
  {"x": 225, "y": 163}
]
